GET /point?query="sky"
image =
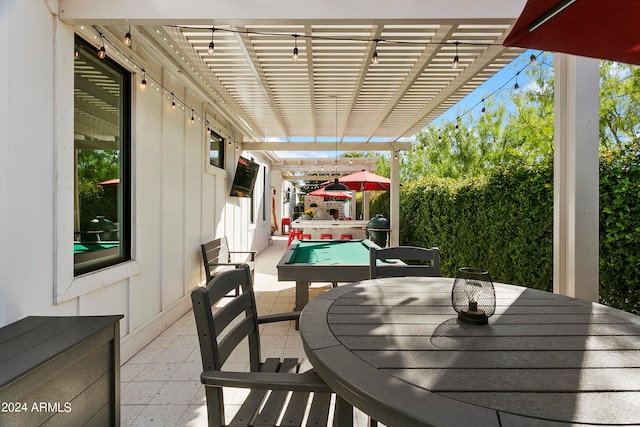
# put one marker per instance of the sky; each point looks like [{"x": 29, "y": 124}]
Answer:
[{"x": 504, "y": 79}]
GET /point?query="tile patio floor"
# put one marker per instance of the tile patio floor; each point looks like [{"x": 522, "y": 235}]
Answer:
[{"x": 160, "y": 385}]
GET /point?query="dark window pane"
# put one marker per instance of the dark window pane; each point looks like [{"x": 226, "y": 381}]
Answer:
[
  {"x": 102, "y": 203},
  {"x": 216, "y": 150}
]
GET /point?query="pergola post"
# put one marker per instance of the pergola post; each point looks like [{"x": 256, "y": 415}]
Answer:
[
  {"x": 576, "y": 177},
  {"x": 394, "y": 201}
]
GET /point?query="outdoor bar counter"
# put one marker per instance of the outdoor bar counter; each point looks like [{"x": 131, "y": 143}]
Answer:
[{"x": 316, "y": 227}]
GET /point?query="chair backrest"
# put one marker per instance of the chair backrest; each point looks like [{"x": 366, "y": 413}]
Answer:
[
  {"x": 384, "y": 262},
  {"x": 221, "y": 332},
  {"x": 215, "y": 251}
]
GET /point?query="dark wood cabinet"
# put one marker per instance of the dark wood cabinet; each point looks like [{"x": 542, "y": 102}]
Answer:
[{"x": 60, "y": 371}]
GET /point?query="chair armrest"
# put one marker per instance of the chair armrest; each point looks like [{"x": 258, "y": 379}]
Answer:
[
  {"x": 218, "y": 264},
  {"x": 307, "y": 381},
  {"x": 280, "y": 317},
  {"x": 253, "y": 253}
]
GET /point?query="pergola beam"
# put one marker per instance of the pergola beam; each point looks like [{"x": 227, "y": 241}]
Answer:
[{"x": 324, "y": 146}]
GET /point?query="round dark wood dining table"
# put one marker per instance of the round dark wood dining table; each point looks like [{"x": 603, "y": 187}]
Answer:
[{"x": 395, "y": 349}]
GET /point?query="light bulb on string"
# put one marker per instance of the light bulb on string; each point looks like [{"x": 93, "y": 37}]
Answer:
[
  {"x": 102, "y": 53},
  {"x": 516, "y": 86},
  {"x": 173, "y": 102},
  {"x": 484, "y": 109},
  {"x": 456, "y": 59},
  {"x": 295, "y": 49},
  {"x": 210, "y": 50},
  {"x": 127, "y": 38},
  {"x": 375, "y": 58},
  {"x": 143, "y": 83}
]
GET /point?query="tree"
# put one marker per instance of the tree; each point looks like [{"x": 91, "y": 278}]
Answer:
[{"x": 514, "y": 127}]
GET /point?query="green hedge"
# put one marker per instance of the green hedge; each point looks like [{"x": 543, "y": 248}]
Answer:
[
  {"x": 620, "y": 234},
  {"x": 505, "y": 225}
]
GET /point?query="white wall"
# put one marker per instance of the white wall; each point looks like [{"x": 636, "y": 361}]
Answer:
[{"x": 178, "y": 203}]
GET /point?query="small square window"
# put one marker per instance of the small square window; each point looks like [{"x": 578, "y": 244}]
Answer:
[{"x": 216, "y": 150}]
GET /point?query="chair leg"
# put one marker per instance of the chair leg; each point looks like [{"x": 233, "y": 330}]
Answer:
[{"x": 343, "y": 416}]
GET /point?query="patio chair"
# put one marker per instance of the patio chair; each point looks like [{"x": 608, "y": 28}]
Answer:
[
  {"x": 216, "y": 257},
  {"x": 235, "y": 325},
  {"x": 390, "y": 267}
]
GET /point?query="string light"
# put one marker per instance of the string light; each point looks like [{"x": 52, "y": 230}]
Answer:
[
  {"x": 375, "y": 58},
  {"x": 210, "y": 50},
  {"x": 192, "y": 116},
  {"x": 173, "y": 101},
  {"x": 155, "y": 82},
  {"x": 533, "y": 59},
  {"x": 127, "y": 38},
  {"x": 102, "y": 53},
  {"x": 456, "y": 59},
  {"x": 295, "y": 49}
]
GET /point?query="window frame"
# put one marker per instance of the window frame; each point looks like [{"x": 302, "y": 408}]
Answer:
[
  {"x": 124, "y": 198},
  {"x": 221, "y": 150}
]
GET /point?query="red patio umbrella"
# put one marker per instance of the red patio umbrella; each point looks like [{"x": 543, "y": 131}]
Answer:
[
  {"x": 337, "y": 194},
  {"x": 604, "y": 29},
  {"x": 365, "y": 181}
]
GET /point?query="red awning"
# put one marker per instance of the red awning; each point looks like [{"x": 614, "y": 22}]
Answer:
[{"x": 604, "y": 29}]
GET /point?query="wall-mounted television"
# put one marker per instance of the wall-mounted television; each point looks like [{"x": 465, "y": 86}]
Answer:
[{"x": 245, "y": 178}]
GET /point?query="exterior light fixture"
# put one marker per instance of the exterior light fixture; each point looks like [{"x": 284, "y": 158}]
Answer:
[
  {"x": 127, "y": 38},
  {"x": 473, "y": 296},
  {"x": 456, "y": 59},
  {"x": 210, "y": 49},
  {"x": 102, "y": 53},
  {"x": 375, "y": 58},
  {"x": 336, "y": 185},
  {"x": 295, "y": 49}
]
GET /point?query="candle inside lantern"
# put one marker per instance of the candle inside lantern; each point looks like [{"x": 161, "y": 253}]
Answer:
[{"x": 473, "y": 296}]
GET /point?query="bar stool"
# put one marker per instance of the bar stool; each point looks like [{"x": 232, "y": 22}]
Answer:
[
  {"x": 346, "y": 237},
  {"x": 326, "y": 236},
  {"x": 293, "y": 234},
  {"x": 286, "y": 222},
  {"x": 305, "y": 236}
]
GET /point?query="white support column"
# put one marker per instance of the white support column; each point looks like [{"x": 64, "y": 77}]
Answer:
[
  {"x": 365, "y": 206},
  {"x": 394, "y": 201},
  {"x": 576, "y": 177}
]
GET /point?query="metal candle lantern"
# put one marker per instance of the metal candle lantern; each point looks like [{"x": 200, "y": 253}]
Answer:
[{"x": 473, "y": 296}]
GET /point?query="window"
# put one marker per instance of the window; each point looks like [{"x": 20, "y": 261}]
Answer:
[
  {"x": 102, "y": 202},
  {"x": 216, "y": 150}
]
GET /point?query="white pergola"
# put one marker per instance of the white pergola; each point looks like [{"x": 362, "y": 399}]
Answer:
[{"x": 335, "y": 97}]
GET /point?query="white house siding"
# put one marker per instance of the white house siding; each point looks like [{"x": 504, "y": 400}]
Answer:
[{"x": 178, "y": 202}]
